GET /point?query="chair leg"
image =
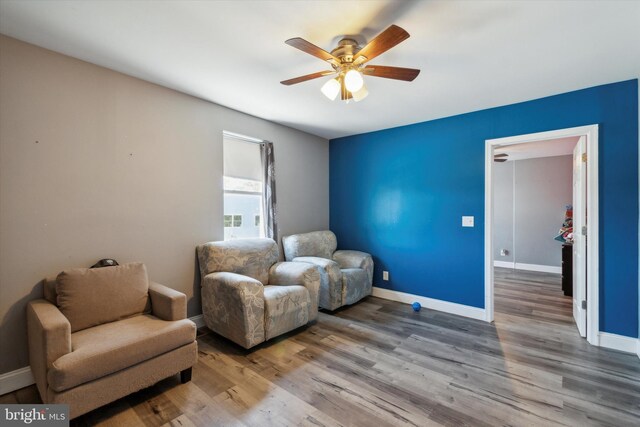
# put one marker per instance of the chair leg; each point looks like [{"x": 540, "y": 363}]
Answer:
[{"x": 185, "y": 376}]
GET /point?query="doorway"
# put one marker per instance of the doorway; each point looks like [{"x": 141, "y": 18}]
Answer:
[{"x": 585, "y": 304}]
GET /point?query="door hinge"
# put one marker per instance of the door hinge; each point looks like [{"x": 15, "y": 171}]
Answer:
[
  {"x": 584, "y": 157},
  {"x": 584, "y": 304},
  {"x": 584, "y": 230}
]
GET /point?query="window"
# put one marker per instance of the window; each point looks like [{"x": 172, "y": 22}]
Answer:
[
  {"x": 242, "y": 199},
  {"x": 242, "y": 189},
  {"x": 233, "y": 221}
]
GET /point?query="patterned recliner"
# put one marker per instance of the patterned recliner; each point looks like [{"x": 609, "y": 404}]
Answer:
[
  {"x": 249, "y": 297},
  {"x": 345, "y": 276}
]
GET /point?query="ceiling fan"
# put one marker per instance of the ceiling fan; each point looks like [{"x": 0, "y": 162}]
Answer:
[
  {"x": 500, "y": 157},
  {"x": 348, "y": 61}
]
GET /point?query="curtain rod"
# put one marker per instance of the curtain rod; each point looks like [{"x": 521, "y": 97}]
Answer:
[{"x": 241, "y": 137}]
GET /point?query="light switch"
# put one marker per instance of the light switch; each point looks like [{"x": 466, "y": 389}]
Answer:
[{"x": 467, "y": 221}]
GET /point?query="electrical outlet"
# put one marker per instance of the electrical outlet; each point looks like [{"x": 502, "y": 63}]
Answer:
[
  {"x": 467, "y": 221},
  {"x": 385, "y": 275},
  {"x": 504, "y": 252}
]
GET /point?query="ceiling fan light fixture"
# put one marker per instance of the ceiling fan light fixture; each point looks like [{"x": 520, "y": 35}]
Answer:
[
  {"x": 360, "y": 94},
  {"x": 353, "y": 80},
  {"x": 348, "y": 61},
  {"x": 331, "y": 89}
]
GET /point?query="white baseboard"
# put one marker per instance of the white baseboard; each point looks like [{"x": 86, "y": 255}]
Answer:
[
  {"x": 504, "y": 264},
  {"x": 433, "y": 304},
  {"x": 638, "y": 348},
  {"x": 619, "y": 342},
  {"x": 528, "y": 267},
  {"x": 21, "y": 378},
  {"x": 541, "y": 268},
  {"x": 15, "y": 380}
]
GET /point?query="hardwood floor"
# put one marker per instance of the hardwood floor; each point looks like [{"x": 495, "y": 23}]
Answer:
[{"x": 380, "y": 364}]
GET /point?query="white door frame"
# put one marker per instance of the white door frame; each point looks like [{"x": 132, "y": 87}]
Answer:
[{"x": 591, "y": 133}]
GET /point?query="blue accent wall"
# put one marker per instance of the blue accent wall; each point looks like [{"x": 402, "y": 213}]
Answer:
[{"x": 400, "y": 193}]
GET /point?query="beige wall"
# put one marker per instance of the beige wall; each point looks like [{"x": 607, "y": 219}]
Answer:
[{"x": 97, "y": 164}]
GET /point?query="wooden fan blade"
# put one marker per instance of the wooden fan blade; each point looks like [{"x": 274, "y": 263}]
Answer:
[
  {"x": 501, "y": 155},
  {"x": 500, "y": 160},
  {"x": 301, "y": 79},
  {"x": 398, "y": 73},
  {"x": 382, "y": 43},
  {"x": 312, "y": 49}
]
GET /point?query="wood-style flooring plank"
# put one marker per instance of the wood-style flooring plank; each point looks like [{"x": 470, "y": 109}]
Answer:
[{"x": 378, "y": 363}]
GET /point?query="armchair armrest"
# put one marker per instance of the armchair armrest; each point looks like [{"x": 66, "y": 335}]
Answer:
[
  {"x": 49, "y": 334},
  {"x": 233, "y": 306},
  {"x": 298, "y": 273},
  {"x": 355, "y": 259},
  {"x": 167, "y": 303},
  {"x": 330, "y": 281}
]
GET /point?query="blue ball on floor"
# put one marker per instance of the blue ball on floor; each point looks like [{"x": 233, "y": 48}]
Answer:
[{"x": 416, "y": 306}]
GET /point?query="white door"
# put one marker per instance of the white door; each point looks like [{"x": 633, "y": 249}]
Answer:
[{"x": 580, "y": 239}]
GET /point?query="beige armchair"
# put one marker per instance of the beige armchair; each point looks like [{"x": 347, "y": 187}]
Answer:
[
  {"x": 345, "y": 276},
  {"x": 101, "y": 334},
  {"x": 249, "y": 297}
]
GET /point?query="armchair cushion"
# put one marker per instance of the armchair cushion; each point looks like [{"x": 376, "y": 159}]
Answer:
[
  {"x": 316, "y": 244},
  {"x": 233, "y": 306},
  {"x": 298, "y": 273},
  {"x": 167, "y": 303},
  {"x": 93, "y": 296},
  {"x": 111, "y": 347},
  {"x": 286, "y": 308},
  {"x": 248, "y": 257}
]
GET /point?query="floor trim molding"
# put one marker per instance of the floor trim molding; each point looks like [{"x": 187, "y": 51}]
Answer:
[
  {"x": 619, "y": 342},
  {"x": 21, "y": 378},
  {"x": 528, "y": 267},
  {"x": 504, "y": 264},
  {"x": 433, "y": 304},
  {"x": 15, "y": 380}
]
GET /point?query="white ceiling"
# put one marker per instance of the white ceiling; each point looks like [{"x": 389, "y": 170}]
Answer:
[
  {"x": 473, "y": 55},
  {"x": 532, "y": 150}
]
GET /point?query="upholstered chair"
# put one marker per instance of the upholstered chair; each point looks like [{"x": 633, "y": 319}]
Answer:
[
  {"x": 101, "y": 334},
  {"x": 248, "y": 296},
  {"x": 345, "y": 276}
]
